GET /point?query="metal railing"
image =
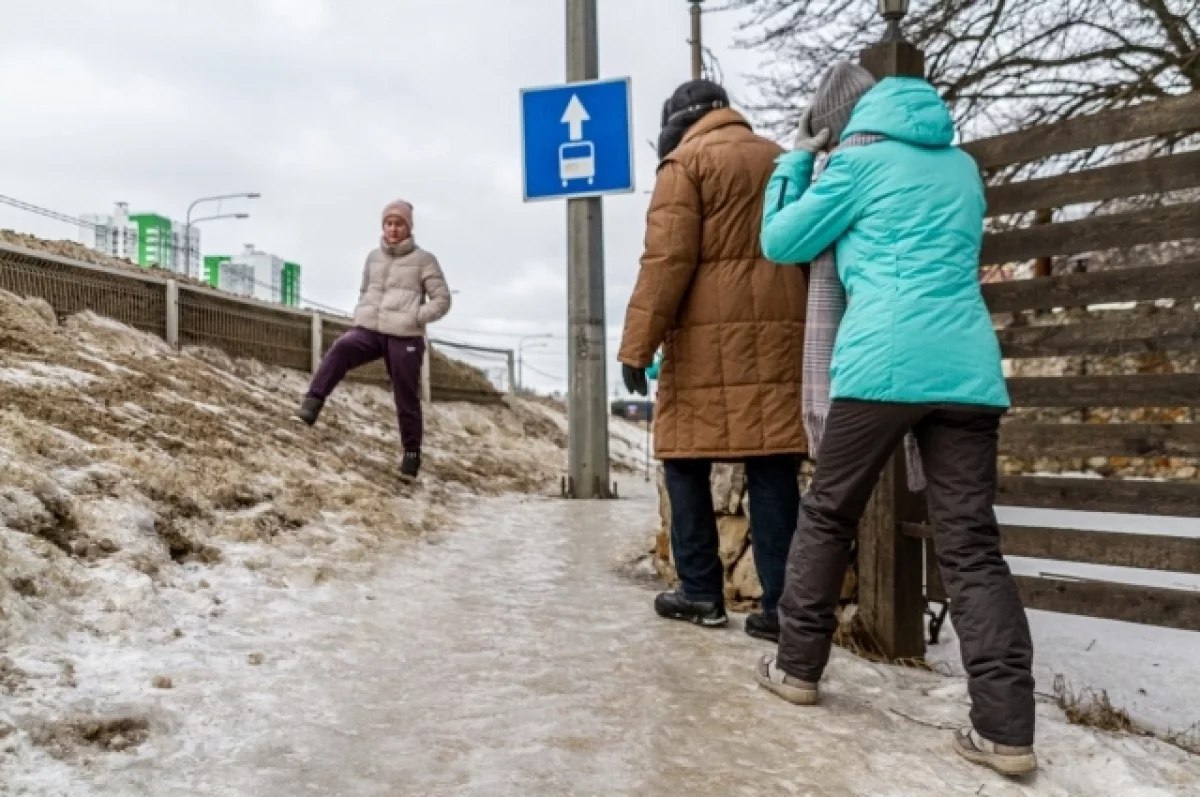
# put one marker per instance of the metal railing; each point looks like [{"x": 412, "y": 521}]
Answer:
[
  {"x": 186, "y": 313},
  {"x": 507, "y": 356}
]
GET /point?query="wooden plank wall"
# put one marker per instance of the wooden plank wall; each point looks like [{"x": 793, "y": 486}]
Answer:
[{"x": 1090, "y": 335}]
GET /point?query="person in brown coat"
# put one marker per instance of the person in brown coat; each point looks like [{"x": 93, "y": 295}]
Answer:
[{"x": 731, "y": 326}]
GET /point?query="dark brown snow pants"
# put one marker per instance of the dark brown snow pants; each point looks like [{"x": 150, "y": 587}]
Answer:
[{"x": 958, "y": 451}]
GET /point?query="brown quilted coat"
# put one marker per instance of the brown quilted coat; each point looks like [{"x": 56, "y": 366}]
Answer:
[{"x": 731, "y": 322}]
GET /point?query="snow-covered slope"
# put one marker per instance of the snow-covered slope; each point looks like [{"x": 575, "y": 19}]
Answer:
[{"x": 130, "y": 473}]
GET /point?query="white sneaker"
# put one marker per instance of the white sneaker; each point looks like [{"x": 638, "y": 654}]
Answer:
[
  {"x": 1005, "y": 759},
  {"x": 778, "y": 682}
]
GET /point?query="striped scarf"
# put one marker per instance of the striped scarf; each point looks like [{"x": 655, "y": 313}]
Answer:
[{"x": 826, "y": 306}]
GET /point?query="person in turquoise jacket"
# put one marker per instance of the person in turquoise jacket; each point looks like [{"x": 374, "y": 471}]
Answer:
[
  {"x": 905, "y": 216},
  {"x": 902, "y": 210}
]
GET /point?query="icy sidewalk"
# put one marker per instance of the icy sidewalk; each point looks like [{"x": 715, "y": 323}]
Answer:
[{"x": 508, "y": 657}]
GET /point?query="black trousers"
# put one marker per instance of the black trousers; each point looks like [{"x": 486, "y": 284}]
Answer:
[
  {"x": 773, "y": 485},
  {"x": 958, "y": 451}
]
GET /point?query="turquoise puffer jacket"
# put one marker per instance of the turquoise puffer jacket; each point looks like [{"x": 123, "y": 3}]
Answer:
[{"x": 906, "y": 215}]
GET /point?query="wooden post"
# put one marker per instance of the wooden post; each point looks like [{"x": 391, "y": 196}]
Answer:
[
  {"x": 890, "y": 565},
  {"x": 512, "y": 373},
  {"x": 317, "y": 346},
  {"x": 891, "y": 606},
  {"x": 894, "y": 59},
  {"x": 172, "y": 326}
]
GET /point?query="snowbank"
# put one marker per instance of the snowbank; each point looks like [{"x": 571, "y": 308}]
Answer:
[
  {"x": 1148, "y": 672},
  {"x": 131, "y": 475}
]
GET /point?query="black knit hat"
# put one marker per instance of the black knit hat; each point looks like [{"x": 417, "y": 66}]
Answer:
[
  {"x": 695, "y": 95},
  {"x": 686, "y": 106}
]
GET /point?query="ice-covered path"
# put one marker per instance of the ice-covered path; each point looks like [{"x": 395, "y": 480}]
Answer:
[{"x": 509, "y": 656}]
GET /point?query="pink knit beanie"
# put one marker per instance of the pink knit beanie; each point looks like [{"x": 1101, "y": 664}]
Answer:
[{"x": 402, "y": 209}]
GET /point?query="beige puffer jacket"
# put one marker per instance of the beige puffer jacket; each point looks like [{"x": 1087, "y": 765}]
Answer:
[{"x": 403, "y": 289}]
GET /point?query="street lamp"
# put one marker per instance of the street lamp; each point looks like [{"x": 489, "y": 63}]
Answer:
[
  {"x": 221, "y": 216},
  {"x": 893, "y": 11},
  {"x": 521, "y": 356},
  {"x": 187, "y": 227},
  {"x": 187, "y": 244}
]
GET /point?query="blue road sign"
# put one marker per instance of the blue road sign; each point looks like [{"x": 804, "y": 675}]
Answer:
[{"x": 577, "y": 139}]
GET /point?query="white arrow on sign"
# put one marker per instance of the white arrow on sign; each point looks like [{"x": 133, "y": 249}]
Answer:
[{"x": 574, "y": 117}]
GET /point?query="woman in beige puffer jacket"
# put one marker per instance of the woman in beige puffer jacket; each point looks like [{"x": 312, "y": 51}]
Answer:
[{"x": 403, "y": 290}]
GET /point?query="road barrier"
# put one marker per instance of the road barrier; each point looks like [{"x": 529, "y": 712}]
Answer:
[{"x": 185, "y": 312}]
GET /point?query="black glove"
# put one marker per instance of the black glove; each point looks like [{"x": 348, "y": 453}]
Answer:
[{"x": 635, "y": 380}]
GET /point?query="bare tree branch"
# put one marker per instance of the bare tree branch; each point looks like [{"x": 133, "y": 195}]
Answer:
[{"x": 999, "y": 63}]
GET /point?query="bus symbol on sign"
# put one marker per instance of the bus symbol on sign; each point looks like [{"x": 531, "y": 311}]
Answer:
[{"x": 577, "y": 161}]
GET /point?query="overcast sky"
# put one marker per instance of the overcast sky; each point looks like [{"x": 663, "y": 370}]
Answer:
[{"x": 331, "y": 108}]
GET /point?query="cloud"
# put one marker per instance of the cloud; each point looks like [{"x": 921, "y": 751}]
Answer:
[
  {"x": 305, "y": 17},
  {"x": 330, "y": 110}
]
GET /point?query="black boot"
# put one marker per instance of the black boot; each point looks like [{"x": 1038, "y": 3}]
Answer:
[
  {"x": 410, "y": 466},
  {"x": 674, "y": 606},
  {"x": 763, "y": 626},
  {"x": 310, "y": 408}
]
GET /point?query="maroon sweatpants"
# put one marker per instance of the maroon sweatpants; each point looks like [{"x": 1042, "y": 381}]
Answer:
[{"x": 403, "y": 358}]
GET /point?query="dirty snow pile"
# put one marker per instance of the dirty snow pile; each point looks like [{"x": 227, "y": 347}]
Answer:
[
  {"x": 74, "y": 250},
  {"x": 133, "y": 478}
]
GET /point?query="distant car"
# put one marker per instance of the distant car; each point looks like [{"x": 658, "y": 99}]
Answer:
[
  {"x": 636, "y": 410},
  {"x": 577, "y": 161}
]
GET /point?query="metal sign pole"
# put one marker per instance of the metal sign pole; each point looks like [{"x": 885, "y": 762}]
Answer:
[{"x": 587, "y": 437}]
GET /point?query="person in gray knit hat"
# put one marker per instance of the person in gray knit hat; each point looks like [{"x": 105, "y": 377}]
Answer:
[
  {"x": 838, "y": 92},
  {"x": 902, "y": 210}
]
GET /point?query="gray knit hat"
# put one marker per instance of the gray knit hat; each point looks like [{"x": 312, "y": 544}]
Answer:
[{"x": 838, "y": 92}]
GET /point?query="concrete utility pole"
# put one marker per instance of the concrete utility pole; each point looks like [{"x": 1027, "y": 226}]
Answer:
[
  {"x": 587, "y": 434},
  {"x": 696, "y": 42}
]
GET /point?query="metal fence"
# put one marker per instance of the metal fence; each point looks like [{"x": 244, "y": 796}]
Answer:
[
  {"x": 187, "y": 313},
  {"x": 267, "y": 334},
  {"x": 72, "y": 288},
  {"x": 495, "y": 364}
]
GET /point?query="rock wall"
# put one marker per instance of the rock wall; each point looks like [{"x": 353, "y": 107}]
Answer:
[
  {"x": 731, "y": 501},
  {"x": 1153, "y": 362},
  {"x": 733, "y": 525}
]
